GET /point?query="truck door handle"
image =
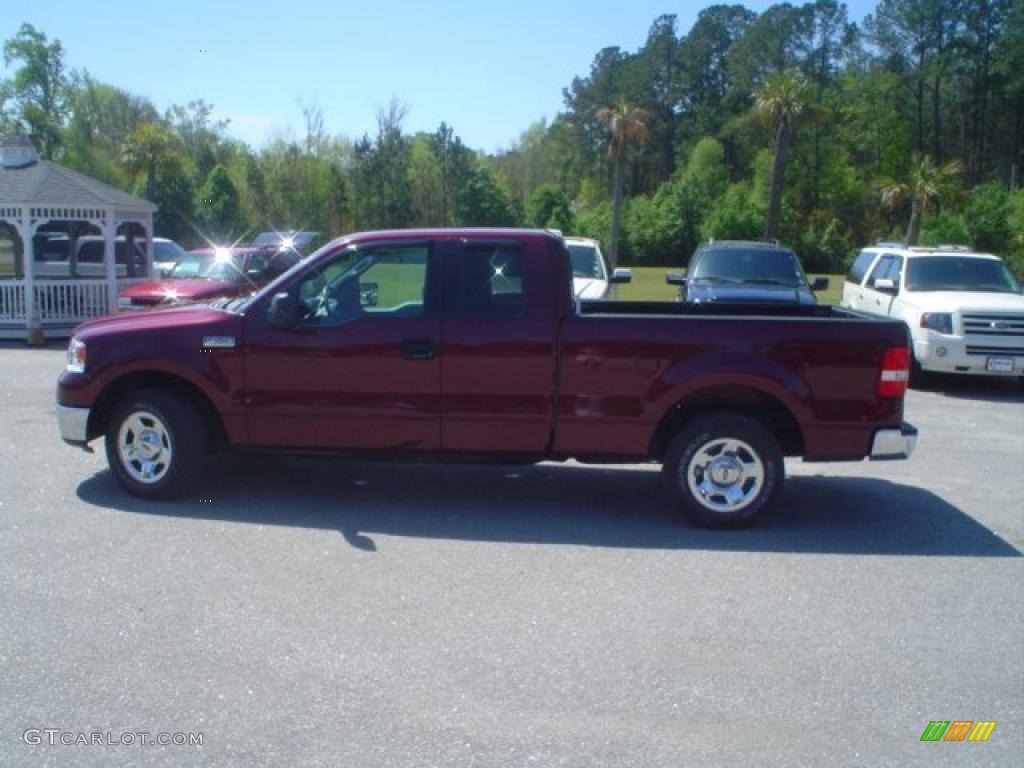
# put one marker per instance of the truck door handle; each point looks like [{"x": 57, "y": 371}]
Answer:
[{"x": 418, "y": 349}]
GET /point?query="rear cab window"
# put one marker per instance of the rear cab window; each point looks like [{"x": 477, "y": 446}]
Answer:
[{"x": 491, "y": 282}]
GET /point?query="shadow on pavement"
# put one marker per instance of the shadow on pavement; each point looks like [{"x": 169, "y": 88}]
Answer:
[
  {"x": 991, "y": 389},
  {"x": 558, "y": 504}
]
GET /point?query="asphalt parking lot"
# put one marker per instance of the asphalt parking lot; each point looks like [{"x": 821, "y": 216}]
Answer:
[{"x": 308, "y": 612}]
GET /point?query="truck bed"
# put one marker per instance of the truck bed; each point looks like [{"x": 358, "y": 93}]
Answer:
[{"x": 679, "y": 308}]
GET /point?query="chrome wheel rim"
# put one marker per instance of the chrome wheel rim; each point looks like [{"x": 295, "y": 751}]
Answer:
[
  {"x": 725, "y": 475},
  {"x": 144, "y": 447}
]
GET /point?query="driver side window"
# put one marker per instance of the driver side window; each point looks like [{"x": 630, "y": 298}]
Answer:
[{"x": 361, "y": 283}]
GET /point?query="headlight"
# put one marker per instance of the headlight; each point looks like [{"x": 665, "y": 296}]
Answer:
[
  {"x": 937, "y": 321},
  {"x": 76, "y": 356},
  {"x": 124, "y": 302}
]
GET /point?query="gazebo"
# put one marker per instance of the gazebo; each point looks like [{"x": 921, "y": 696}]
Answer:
[{"x": 44, "y": 288}]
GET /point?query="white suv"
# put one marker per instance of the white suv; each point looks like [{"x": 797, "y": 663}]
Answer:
[{"x": 965, "y": 310}]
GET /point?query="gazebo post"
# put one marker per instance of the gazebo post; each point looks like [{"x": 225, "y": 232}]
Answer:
[
  {"x": 109, "y": 261},
  {"x": 28, "y": 251},
  {"x": 149, "y": 247}
]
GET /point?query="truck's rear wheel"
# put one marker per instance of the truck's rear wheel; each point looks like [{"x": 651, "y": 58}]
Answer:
[
  {"x": 723, "y": 470},
  {"x": 156, "y": 444}
]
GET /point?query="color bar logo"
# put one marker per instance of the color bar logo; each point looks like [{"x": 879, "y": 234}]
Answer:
[{"x": 958, "y": 730}]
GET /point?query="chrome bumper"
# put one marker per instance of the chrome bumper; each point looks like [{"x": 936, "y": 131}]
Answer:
[
  {"x": 73, "y": 423},
  {"x": 894, "y": 443}
]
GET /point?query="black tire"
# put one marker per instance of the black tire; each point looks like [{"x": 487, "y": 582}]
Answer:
[
  {"x": 754, "y": 464},
  {"x": 173, "y": 435}
]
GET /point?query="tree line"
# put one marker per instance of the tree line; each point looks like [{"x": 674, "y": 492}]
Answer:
[{"x": 794, "y": 123}]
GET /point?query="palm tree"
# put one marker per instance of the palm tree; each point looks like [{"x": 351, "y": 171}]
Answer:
[
  {"x": 926, "y": 183},
  {"x": 628, "y": 126},
  {"x": 780, "y": 102}
]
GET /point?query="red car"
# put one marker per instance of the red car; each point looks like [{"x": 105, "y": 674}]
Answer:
[{"x": 211, "y": 273}]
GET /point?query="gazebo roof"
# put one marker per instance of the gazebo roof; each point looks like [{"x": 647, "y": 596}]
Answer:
[{"x": 46, "y": 183}]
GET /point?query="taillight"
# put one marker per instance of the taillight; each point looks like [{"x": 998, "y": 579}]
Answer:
[{"x": 892, "y": 382}]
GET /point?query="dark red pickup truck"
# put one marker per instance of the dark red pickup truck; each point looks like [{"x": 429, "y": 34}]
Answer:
[{"x": 469, "y": 345}]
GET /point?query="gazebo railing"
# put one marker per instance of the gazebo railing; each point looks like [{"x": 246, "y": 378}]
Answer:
[
  {"x": 12, "y": 300},
  {"x": 71, "y": 300},
  {"x": 59, "y": 301}
]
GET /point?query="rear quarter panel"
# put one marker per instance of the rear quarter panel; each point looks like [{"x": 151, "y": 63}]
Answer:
[{"x": 620, "y": 376}]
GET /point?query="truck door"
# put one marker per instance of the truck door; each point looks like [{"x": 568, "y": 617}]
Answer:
[
  {"x": 497, "y": 348},
  {"x": 360, "y": 368}
]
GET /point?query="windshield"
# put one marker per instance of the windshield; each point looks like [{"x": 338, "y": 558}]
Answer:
[
  {"x": 585, "y": 261},
  {"x": 959, "y": 273},
  {"x": 206, "y": 265},
  {"x": 756, "y": 265}
]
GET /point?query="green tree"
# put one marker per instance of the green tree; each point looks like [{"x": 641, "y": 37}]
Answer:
[
  {"x": 780, "y": 102},
  {"x": 219, "y": 212},
  {"x": 152, "y": 155},
  {"x": 483, "y": 203},
  {"x": 36, "y": 97},
  {"x": 707, "y": 166},
  {"x": 926, "y": 184},
  {"x": 987, "y": 218},
  {"x": 102, "y": 117},
  {"x": 455, "y": 162},
  {"x": 705, "y": 55},
  {"x": 627, "y": 126},
  {"x": 665, "y": 228},
  {"x": 548, "y": 207},
  {"x": 736, "y": 215}
]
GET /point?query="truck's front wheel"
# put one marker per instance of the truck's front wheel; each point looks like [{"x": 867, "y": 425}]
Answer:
[
  {"x": 156, "y": 444},
  {"x": 723, "y": 470}
]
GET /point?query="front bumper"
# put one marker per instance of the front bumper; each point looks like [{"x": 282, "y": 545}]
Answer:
[
  {"x": 74, "y": 424},
  {"x": 941, "y": 353},
  {"x": 894, "y": 443}
]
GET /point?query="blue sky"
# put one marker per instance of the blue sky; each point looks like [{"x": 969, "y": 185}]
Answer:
[{"x": 488, "y": 70}]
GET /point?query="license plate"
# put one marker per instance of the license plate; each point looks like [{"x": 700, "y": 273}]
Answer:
[{"x": 999, "y": 365}]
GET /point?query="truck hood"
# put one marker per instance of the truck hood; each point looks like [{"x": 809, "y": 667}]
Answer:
[
  {"x": 188, "y": 289},
  {"x": 964, "y": 301},
  {"x": 709, "y": 292},
  {"x": 173, "y": 318},
  {"x": 589, "y": 288}
]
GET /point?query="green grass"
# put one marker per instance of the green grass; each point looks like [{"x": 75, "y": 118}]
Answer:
[{"x": 649, "y": 285}]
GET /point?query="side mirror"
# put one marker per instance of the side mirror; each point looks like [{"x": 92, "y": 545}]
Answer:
[
  {"x": 819, "y": 284},
  {"x": 885, "y": 285},
  {"x": 282, "y": 312},
  {"x": 369, "y": 294},
  {"x": 675, "y": 278},
  {"x": 621, "y": 276}
]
